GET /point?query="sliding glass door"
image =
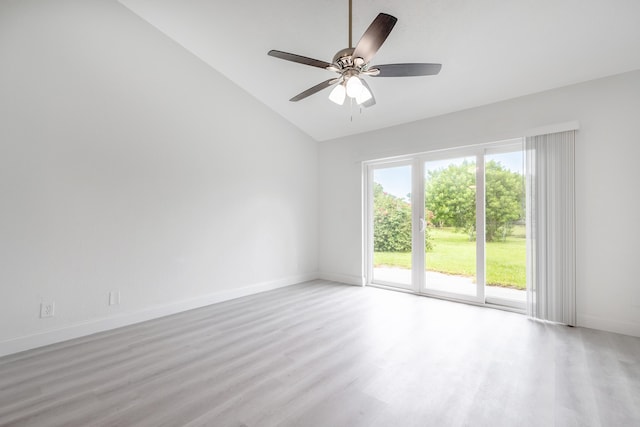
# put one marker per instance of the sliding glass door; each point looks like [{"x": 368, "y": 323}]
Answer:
[
  {"x": 450, "y": 188},
  {"x": 505, "y": 235},
  {"x": 392, "y": 225},
  {"x": 451, "y": 224}
]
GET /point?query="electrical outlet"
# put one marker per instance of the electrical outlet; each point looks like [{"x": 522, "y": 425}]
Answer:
[
  {"x": 114, "y": 298},
  {"x": 47, "y": 309}
]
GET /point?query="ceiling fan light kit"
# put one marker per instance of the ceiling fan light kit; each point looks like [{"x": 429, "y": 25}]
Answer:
[
  {"x": 338, "y": 94},
  {"x": 363, "y": 96},
  {"x": 354, "y": 63},
  {"x": 354, "y": 86}
]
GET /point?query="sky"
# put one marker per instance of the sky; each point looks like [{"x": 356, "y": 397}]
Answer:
[{"x": 397, "y": 180}]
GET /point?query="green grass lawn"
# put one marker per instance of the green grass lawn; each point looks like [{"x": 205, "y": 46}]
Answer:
[{"x": 453, "y": 253}]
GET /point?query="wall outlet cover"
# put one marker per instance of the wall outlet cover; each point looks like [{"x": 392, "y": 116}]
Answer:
[
  {"x": 47, "y": 309},
  {"x": 114, "y": 298}
]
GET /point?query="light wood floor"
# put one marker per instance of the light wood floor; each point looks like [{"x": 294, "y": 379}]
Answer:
[{"x": 323, "y": 354}]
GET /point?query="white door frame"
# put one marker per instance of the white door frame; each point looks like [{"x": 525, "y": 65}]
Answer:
[
  {"x": 478, "y": 153},
  {"x": 417, "y": 162},
  {"x": 369, "y": 168}
]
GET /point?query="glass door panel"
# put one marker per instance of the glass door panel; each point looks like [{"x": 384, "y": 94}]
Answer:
[
  {"x": 450, "y": 229},
  {"x": 392, "y": 231},
  {"x": 451, "y": 224},
  {"x": 505, "y": 228}
]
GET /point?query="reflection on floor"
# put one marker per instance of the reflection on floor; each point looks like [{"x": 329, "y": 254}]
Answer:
[{"x": 446, "y": 282}]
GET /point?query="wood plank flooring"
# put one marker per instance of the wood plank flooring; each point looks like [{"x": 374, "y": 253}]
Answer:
[{"x": 325, "y": 354}]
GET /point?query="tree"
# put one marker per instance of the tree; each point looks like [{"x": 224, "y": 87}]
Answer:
[
  {"x": 504, "y": 200},
  {"x": 450, "y": 194}
]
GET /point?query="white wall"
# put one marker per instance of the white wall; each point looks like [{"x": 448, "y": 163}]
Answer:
[
  {"x": 607, "y": 195},
  {"x": 127, "y": 164}
]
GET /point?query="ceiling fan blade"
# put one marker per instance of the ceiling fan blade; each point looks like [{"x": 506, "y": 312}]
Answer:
[
  {"x": 312, "y": 90},
  {"x": 375, "y": 35},
  {"x": 370, "y": 102},
  {"x": 407, "y": 70},
  {"x": 298, "y": 58}
]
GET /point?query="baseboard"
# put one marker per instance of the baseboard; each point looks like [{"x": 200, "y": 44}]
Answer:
[
  {"x": 619, "y": 327},
  {"x": 78, "y": 330},
  {"x": 342, "y": 278}
]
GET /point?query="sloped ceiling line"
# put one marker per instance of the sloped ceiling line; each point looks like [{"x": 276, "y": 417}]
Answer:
[{"x": 491, "y": 51}]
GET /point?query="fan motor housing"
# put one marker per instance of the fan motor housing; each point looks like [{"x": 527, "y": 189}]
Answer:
[{"x": 344, "y": 58}]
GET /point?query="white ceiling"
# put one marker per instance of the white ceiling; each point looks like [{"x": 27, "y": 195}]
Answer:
[{"x": 491, "y": 50}]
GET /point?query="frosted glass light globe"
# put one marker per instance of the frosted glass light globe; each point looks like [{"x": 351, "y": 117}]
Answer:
[
  {"x": 364, "y": 95},
  {"x": 354, "y": 86},
  {"x": 337, "y": 95}
]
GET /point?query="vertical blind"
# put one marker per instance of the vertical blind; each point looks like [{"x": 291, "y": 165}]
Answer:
[{"x": 551, "y": 287}]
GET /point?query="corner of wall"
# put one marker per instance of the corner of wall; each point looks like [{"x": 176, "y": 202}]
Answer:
[{"x": 343, "y": 278}]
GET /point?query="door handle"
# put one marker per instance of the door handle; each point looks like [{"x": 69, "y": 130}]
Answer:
[{"x": 423, "y": 225}]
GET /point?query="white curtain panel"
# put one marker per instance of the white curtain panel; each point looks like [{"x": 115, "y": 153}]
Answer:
[{"x": 551, "y": 287}]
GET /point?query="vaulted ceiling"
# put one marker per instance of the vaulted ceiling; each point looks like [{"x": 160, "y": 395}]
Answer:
[{"x": 491, "y": 50}]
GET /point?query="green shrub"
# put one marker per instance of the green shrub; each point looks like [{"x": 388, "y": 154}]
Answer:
[{"x": 392, "y": 223}]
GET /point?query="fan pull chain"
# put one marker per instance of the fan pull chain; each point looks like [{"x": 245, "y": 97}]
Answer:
[{"x": 351, "y": 108}]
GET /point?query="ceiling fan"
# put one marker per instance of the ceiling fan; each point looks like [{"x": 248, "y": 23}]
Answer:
[{"x": 353, "y": 63}]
